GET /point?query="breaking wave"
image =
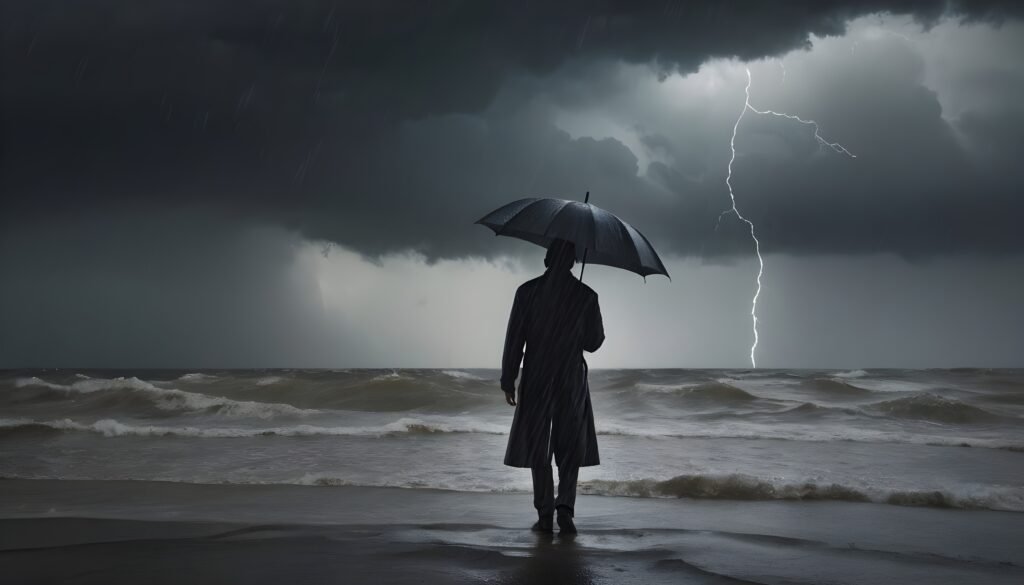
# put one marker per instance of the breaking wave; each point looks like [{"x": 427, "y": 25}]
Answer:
[
  {"x": 390, "y": 377},
  {"x": 932, "y": 407},
  {"x": 744, "y": 487},
  {"x": 835, "y": 386},
  {"x": 170, "y": 399},
  {"x": 197, "y": 377},
  {"x": 805, "y": 433},
  {"x": 726, "y": 487},
  {"x": 850, "y": 374},
  {"x": 269, "y": 380},
  {"x": 460, "y": 375},
  {"x": 717, "y": 391},
  {"x": 33, "y": 381},
  {"x": 114, "y": 428}
]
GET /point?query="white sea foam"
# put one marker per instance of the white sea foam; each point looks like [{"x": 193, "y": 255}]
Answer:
[
  {"x": 894, "y": 386},
  {"x": 197, "y": 378},
  {"x": 34, "y": 381},
  {"x": 269, "y": 380},
  {"x": 389, "y": 377},
  {"x": 174, "y": 399},
  {"x": 114, "y": 428},
  {"x": 850, "y": 374},
  {"x": 460, "y": 375}
]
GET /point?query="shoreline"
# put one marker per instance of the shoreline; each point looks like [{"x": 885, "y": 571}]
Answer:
[{"x": 165, "y": 532}]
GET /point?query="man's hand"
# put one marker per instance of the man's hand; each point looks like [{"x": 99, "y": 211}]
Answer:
[{"x": 510, "y": 397}]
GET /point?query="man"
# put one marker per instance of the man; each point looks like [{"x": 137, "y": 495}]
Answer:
[{"x": 558, "y": 318}]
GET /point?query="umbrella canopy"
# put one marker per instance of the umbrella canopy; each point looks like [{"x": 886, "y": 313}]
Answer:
[{"x": 599, "y": 236}]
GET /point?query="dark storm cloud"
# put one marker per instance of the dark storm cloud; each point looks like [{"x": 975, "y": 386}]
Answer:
[
  {"x": 181, "y": 289},
  {"x": 362, "y": 123}
]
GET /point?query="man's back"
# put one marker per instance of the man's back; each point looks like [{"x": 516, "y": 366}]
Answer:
[{"x": 557, "y": 318}]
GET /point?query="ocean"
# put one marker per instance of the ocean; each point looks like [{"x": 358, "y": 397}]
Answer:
[{"x": 932, "y": 438}]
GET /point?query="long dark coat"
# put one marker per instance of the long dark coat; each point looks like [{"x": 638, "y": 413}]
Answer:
[{"x": 558, "y": 318}]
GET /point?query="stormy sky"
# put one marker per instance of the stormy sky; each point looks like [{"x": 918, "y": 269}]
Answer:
[{"x": 277, "y": 183}]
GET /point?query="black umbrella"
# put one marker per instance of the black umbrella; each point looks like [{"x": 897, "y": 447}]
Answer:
[{"x": 599, "y": 236}]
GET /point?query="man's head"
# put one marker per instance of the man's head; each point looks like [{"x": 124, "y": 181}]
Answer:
[{"x": 561, "y": 256}]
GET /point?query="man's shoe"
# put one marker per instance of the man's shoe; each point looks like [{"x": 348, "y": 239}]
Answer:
[
  {"x": 543, "y": 524},
  {"x": 565, "y": 524}
]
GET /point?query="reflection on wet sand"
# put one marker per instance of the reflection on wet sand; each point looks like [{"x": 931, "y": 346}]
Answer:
[{"x": 554, "y": 560}]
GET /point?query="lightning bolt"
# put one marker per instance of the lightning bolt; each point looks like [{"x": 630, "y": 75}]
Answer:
[{"x": 835, "y": 146}]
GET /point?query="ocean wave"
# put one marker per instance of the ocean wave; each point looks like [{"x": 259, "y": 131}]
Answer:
[
  {"x": 114, "y": 428},
  {"x": 269, "y": 380},
  {"x": 197, "y": 377},
  {"x": 744, "y": 487},
  {"x": 732, "y": 487},
  {"x": 440, "y": 424},
  {"x": 835, "y": 386},
  {"x": 34, "y": 381},
  {"x": 725, "y": 487},
  {"x": 932, "y": 407},
  {"x": 803, "y": 433},
  {"x": 782, "y": 411},
  {"x": 461, "y": 485},
  {"x": 812, "y": 409},
  {"x": 1006, "y": 398},
  {"x": 393, "y": 376},
  {"x": 964, "y": 370},
  {"x": 172, "y": 398},
  {"x": 322, "y": 480},
  {"x": 717, "y": 391},
  {"x": 850, "y": 374},
  {"x": 460, "y": 375}
]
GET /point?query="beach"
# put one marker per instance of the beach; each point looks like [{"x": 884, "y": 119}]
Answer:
[{"x": 158, "y": 532}]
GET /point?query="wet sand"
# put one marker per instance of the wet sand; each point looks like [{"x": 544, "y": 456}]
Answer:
[{"x": 152, "y": 532}]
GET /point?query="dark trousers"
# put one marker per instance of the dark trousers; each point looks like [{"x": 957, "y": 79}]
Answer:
[{"x": 544, "y": 489}]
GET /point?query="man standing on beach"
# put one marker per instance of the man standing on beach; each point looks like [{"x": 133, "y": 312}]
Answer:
[{"x": 558, "y": 318}]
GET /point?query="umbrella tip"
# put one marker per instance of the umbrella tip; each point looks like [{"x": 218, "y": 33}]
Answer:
[{"x": 586, "y": 199}]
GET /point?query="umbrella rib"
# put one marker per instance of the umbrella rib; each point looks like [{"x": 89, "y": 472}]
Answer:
[
  {"x": 501, "y": 230},
  {"x": 629, "y": 238},
  {"x": 554, "y": 218},
  {"x": 593, "y": 224},
  {"x": 661, "y": 264}
]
